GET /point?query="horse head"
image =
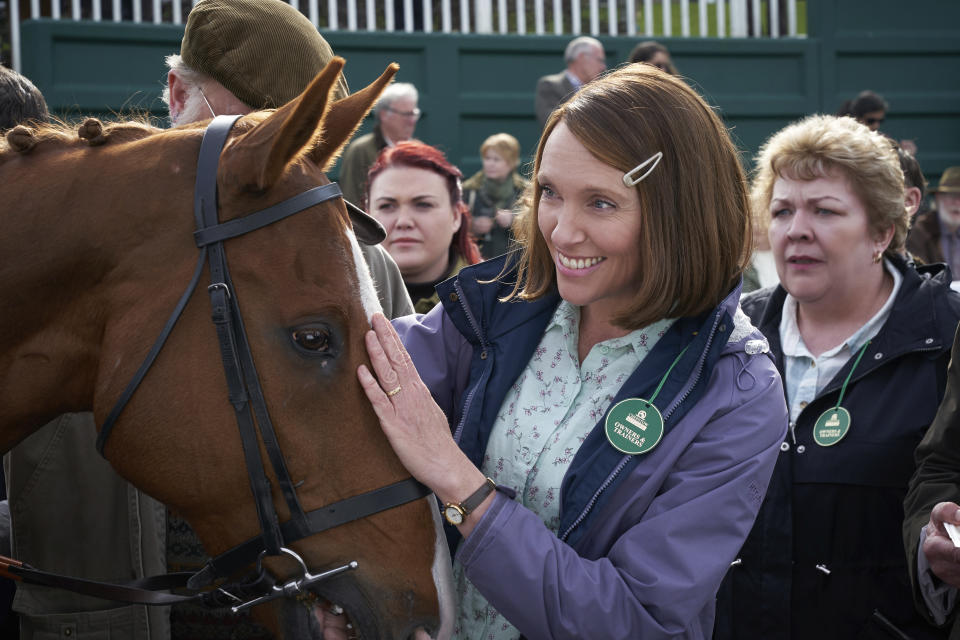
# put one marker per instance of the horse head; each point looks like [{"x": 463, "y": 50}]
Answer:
[{"x": 106, "y": 279}]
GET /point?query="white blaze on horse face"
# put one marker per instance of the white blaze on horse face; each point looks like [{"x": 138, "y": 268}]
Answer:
[{"x": 368, "y": 292}]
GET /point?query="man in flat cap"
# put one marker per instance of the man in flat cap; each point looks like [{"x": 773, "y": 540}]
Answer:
[
  {"x": 71, "y": 513},
  {"x": 935, "y": 235},
  {"x": 243, "y": 55},
  {"x": 585, "y": 59}
]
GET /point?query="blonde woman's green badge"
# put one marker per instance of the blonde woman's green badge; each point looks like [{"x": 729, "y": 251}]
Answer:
[
  {"x": 831, "y": 426},
  {"x": 634, "y": 426}
]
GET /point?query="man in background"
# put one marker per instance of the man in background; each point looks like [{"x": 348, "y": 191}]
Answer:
[
  {"x": 585, "y": 60},
  {"x": 935, "y": 235},
  {"x": 396, "y": 116}
]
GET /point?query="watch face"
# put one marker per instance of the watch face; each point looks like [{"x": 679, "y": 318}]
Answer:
[{"x": 453, "y": 514}]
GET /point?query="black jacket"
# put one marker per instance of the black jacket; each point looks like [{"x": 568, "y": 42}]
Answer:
[{"x": 839, "y": 508}]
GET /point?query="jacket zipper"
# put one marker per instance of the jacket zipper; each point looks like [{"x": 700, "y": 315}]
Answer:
[
  {"x": 483, "y": 346},
  {"x": 596, "y": 496},
  {"x": 666, "y": 415}
]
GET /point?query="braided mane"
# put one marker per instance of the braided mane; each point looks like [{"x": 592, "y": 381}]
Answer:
[{"x": 91, "y": 132}]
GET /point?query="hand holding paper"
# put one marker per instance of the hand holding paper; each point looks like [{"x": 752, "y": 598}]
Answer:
[{"x": 942, "y": 544}]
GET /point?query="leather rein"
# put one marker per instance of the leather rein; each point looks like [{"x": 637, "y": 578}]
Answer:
[{"x": 246, "y": 396}]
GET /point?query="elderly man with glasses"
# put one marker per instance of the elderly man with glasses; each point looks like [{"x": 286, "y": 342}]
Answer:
[{"x": 396, "y": 119}]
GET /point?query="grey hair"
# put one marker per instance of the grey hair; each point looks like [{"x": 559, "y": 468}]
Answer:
[
  {"x": 578, "y": 46},
  {"x": 191, "y": 77},
  {"x": 394, "y": 92}
]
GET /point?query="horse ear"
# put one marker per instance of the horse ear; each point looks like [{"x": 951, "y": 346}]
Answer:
[
  {"x": 259, "y": 156},
  {"x": 345, "y": 116}
]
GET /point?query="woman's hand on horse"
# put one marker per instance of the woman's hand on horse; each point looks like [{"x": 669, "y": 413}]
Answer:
[{"x": 413, "y": 423}]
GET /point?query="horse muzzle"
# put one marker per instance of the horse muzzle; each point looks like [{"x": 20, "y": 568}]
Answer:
[
  {"x": 373, "y": 610},
  {"x": 357, "y": 617}
]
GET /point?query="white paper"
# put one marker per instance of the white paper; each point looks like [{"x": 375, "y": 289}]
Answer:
[{"x": 954, "y": 532}]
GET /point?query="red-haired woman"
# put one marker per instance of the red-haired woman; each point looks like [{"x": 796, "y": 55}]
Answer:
[{"x": 416, "y": 194}]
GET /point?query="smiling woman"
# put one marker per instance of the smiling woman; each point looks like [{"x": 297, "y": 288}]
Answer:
[
  {"x": 862, "y": 340},
  {"x": 578, "y": 402}
]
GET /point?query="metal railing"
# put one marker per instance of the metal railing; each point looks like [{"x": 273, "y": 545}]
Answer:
[{"x": 647, "y": 18}]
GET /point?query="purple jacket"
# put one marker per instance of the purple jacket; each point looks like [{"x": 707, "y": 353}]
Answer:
[{"x": 644, "y": 540}]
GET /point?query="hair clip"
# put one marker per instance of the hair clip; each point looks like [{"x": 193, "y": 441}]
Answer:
[{"x": 653, "y": 161}]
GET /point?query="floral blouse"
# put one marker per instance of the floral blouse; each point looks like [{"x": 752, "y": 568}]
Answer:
[{"x": 545, "y": 417}]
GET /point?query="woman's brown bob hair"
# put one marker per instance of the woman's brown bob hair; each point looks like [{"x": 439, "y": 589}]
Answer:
[{"x": 695, "y": 237}]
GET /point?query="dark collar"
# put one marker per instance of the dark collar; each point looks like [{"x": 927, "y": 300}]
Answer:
[{"x": 919, "y": 312}]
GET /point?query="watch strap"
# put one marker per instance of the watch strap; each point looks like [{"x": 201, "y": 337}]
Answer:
[{"x": 478, "y": 496}]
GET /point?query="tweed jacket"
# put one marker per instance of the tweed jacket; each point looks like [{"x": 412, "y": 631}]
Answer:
[{"x": 72, "y": 514}]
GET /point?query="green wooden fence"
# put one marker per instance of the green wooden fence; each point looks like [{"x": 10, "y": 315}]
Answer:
[{"x": 475, "y": 85}]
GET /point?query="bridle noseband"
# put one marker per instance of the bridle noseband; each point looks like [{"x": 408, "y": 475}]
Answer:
[{"x": 246, "y": 396}]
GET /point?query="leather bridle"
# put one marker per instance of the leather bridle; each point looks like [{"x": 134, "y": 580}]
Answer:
[{"x": 246, "y": 396}]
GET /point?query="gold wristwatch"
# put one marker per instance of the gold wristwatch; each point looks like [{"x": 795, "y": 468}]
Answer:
[{"x": 455, "y": 513}]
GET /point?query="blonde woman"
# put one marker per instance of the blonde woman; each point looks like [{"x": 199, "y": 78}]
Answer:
[
  {"x": 492, "y": 193},
  {"x": 862, "y": 341}
]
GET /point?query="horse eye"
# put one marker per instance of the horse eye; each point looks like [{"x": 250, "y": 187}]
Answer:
[{"x": 317, "y": 340}]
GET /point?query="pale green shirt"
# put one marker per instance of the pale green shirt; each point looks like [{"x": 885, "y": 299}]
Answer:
[{"x": 544, "y": 418}]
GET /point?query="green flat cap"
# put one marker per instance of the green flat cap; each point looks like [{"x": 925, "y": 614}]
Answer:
[{"x": 264, "y": 51}]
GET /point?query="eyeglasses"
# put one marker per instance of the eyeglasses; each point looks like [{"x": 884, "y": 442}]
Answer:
[
  {"x": 870, "y": 121},
  {"x": 415, "y": 114}
]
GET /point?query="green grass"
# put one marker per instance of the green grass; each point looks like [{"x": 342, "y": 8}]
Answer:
[
  {"x": 585, "y": 17},
  {"x": 675, "y": 16},
  {"x": 675, "y": 19}
]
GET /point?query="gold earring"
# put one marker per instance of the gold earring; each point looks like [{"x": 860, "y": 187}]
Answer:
[{"x": 877, "y": 256}]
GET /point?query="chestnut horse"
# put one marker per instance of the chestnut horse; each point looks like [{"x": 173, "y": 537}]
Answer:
[{"x": 98, "y": 244}]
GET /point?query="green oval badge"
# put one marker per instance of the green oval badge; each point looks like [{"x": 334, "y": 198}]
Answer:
[
  {"x": 634, "y": 426},
  {"x": 832, "y": 425}
]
